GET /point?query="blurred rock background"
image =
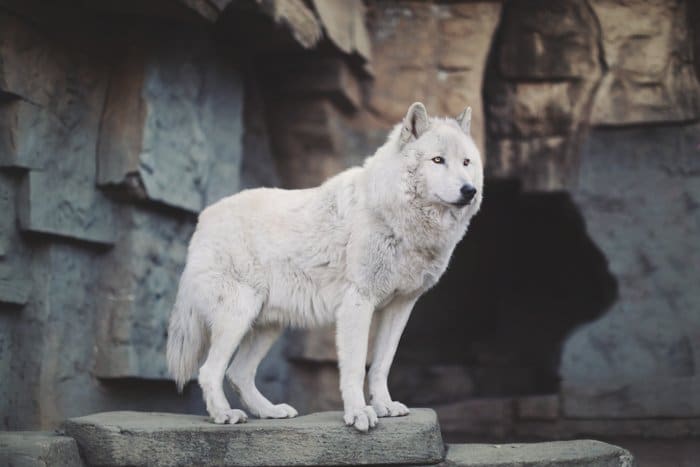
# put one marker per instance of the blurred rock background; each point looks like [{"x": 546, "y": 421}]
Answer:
[{"x": 572, "y": 307}]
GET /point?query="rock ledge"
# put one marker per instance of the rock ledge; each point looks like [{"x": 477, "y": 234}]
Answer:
[
  {"x": 578, "y": 453},
  {"x": 160, "y": 439}
]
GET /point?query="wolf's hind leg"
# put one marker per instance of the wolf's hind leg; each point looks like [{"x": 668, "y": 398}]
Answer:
[
  {"x": 229, "y": 323},
  {"x": 242, "y": 371}
]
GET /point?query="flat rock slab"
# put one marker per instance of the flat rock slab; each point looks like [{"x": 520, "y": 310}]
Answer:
[
  {"x": 38, "y": 449},
  {"x": 163, "y": 439},
  {"x": 579, "y": 453}
]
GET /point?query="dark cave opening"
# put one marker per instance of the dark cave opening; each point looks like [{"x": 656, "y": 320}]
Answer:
[{"x": 523, "y": 278}]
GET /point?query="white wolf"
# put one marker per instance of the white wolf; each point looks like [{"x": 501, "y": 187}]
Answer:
[{"x": 369, "y": 240}]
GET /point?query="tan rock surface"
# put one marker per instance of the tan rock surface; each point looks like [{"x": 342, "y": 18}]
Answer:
[{"x": 648, "y": 52}]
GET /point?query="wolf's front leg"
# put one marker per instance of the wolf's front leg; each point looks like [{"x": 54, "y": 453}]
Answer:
[
  {"x": 352, "y": 332},
  {"x": 392, "y": 321}
]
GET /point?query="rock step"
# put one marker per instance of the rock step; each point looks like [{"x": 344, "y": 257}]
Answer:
[
  {"x": 579, "y": 453},
  {"x": 162, "y": 439}
]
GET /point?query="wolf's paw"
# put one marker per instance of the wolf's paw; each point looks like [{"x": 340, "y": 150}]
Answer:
[
  {"x": 279, "y": 411},
  {"x": 230, "y": 416},
  {"x": 362, "y": 419},
  {"x": 390, "y": 409}
]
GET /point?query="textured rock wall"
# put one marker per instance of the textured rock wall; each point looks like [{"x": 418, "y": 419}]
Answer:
[
  {"x": 115, "y": 131},
  {"x": 107, "y": 150},
  {"x": 119, "y": 122},
  {"x": 641, "y": 358},
  {"x": 594, "y": 99}
]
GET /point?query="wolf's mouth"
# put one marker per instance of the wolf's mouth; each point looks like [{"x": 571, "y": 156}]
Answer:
[{"x": 461, "y": 204}]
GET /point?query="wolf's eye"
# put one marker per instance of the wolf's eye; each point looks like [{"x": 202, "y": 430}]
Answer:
[
  {"x": 438, "y": 160},
  {"x": 466, "y": 162}
]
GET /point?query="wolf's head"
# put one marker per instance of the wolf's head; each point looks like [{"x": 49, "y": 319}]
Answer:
[{"x": 443, "y": 159}]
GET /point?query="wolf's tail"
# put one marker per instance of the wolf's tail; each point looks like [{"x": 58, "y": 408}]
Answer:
[{"x": 187, "y": 339}]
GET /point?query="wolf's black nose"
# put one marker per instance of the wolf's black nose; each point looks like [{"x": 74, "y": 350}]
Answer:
[{"x": 467, "y": 191}]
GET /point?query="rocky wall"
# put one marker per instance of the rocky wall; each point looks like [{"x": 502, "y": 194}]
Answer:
[
  {"x": 593, "y": 101},
  {"x": 126, "y": 120},
  {"x": 119, "y": 122},
  {"x": 110, "y": 145}
]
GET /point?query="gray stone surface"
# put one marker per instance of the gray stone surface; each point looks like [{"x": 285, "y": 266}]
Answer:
[
  {"x": 29, "y": 67},
  {"x": 38, "y": 449},
  {"x": 580, "y": 453},
  {"x": 157, "y": 439},
  {"x": 25, "y": 128},
  {"x": 48, "y": 361},
  {"x": 52, "y": 124},
  {"x": 138, "y": 282},
  {"x": 57, "y": 203},
  {"x": 174, "y": 112},
  {"x": 15, "y": 281},
  {"x": 7, "y": 210},
  {"x": 639, "y": 191},
  {"x": 13, "y": 290}
]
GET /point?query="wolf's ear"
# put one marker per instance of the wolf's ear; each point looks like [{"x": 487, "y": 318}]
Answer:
[
  {"x": 465, "y": 120},
  {"x": 415, "y": 123}
]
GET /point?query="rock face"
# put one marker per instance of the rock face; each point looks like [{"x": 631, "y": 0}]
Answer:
[
  {"x": 53, "y": 133},
  {"x": 538, "y": 90},
  {"x": 568, "y": 86},
  {"x": 562, "y": 66},
  {"x": 444, "y": 67},
  {"x": 119, "y": 122},
  {"x": 106, "y": 151},
  {"x": 641, "y": 358},
  {"x": 131, "y": 338},
  {"x": 648, "y": 54},
  {"x": 133, "y": 438},
  {"x": 173, "y": 111}
]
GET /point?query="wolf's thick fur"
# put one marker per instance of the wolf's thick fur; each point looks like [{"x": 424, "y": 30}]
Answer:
[{"x": 370, "y": 240}]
